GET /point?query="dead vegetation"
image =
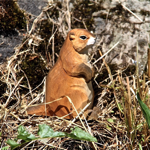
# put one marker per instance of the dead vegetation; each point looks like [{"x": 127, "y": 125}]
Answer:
[{"x": 116, "y": 120}]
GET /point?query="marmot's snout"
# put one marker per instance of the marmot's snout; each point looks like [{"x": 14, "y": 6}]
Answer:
[{"x": 91, "y": 41}]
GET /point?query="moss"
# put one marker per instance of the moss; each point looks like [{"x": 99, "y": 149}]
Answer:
[
  {"x": 83, "y": 10},
  {"x": 46, "y": 32},
  {"x": 3, "y": 87},
  {"x": 34, "y": 68},
  {"x": 11, "y": 17},
  {"x": 54, "y": 13}
]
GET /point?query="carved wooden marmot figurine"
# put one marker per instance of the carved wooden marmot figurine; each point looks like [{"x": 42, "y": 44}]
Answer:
[{"x": 71, "y": 76}]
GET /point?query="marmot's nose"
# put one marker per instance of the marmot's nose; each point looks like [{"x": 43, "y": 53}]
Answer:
[{"x": 91, "y": 41}]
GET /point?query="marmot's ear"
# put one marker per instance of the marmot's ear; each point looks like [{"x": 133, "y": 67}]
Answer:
[{"x": 71, "y": 36}]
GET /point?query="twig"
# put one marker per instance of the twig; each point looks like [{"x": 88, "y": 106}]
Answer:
[
  {"x": 106, "y": 53},
  {"x": 7, "y": 110},
  {"x": 133, "y": 92},
  {"x": 80, "y": 119},
  {"x": 34, "y": 88},
  {"x": 28, "y": 83},
  {"x": 81, "y": 112},
  {"x": 13, "y": 92},
  {"x": 131, "y": 12}
]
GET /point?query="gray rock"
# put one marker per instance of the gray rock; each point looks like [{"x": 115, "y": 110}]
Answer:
[
  {"x": 117, "y": 24},
  {"x": 7, "y": 45},
  {"x": 33, "y": 7}
]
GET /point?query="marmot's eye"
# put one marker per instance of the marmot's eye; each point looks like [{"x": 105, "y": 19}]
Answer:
[{"x": 83, "y": 37}]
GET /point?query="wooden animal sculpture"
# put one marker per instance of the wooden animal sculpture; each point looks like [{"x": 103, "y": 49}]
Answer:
[{"x": 71, "y": 76}]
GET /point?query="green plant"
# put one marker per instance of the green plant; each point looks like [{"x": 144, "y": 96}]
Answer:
[
  {"x": 46, "y": 131},
  {"x": 145, "y": 110}
]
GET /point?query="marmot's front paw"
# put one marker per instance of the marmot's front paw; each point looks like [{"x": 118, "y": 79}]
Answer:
[
  {"x": 89, "y": 76},
  {"x": 93, "y": 72}
]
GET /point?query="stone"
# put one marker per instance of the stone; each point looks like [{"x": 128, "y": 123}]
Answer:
[{"x": 116, "y": 23}]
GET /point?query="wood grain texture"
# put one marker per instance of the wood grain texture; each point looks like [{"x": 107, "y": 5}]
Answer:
[{"x": 71, "y": 76}]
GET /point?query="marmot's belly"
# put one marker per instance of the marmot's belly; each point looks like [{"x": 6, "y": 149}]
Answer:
[
  {"x": 83, "y": 87},
  {"x": 70, "y": 86}
]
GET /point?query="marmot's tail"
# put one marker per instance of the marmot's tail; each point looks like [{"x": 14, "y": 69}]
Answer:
[{"x": 41, "y": 109}]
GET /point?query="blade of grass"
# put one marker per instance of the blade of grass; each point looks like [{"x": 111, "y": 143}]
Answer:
[{"x": 145, "y": 110}]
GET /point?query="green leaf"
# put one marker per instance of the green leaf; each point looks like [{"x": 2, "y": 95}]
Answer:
[
  {"x": 24, "y": 135},
  {"x": 120, "y": 107},
  {"x": 145, "y": 110},
  {"x": 108, "y": 127},
  {"x": 139, "y": 126},
  {"x": 5, "y": 148},
  {"x": 140, "y": 147},
  {"x": 13, "y": 144},
  {"x": 110, "y": 120},
  {"x": 46, "y": 131},
  {"x": 79, "y": 134}
]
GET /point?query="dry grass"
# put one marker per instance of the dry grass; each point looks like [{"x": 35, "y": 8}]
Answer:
[{"x": 116, "y": 120}]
